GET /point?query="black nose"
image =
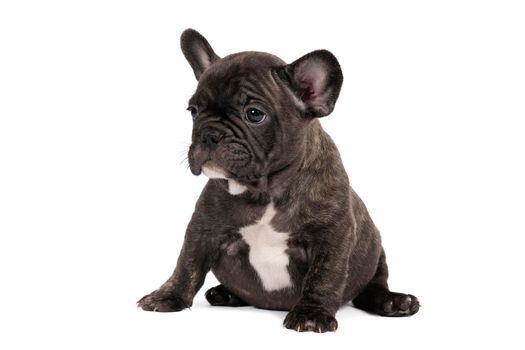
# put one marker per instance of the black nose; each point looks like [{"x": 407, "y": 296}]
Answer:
[{"x": 210, "y": 136}]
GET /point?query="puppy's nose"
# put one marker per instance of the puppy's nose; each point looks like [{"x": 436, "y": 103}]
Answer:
[{"x": 210, "y": 136}]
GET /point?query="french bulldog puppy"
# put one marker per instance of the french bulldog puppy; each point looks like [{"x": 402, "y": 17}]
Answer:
[{"x": 277, "y": 223}]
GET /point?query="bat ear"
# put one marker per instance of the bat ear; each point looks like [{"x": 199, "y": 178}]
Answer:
[
  {"x": 315, "y": 79},
  {"x": 197, "y": 51}
]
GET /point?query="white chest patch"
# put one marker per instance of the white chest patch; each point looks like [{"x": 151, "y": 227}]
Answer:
[{"x": 268, "y": 251}]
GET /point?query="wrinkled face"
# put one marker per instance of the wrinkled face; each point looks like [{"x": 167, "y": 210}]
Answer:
[
  {"x": 243, "y": 126},
  {"x": 250, "y": 110}
]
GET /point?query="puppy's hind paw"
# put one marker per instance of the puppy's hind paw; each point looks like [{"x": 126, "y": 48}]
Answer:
[
  {"x": 399, "y": 304},
  {"x": 381, "y": 301}
]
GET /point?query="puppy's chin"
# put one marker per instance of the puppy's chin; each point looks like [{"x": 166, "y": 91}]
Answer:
[{"x": 212, "y": 171}]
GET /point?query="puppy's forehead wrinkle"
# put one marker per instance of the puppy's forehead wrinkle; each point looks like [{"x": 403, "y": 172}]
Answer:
[
  {"x": 261, "y": 88},
  {"x": 250, "y": 71}
]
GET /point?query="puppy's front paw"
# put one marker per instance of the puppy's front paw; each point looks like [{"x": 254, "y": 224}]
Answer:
[
  {"x": 162, "y": 302},
  {"x": 314, "y": 319}
]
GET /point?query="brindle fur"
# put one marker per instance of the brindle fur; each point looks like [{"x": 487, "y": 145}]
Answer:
[{"x": 334, "y": 247}]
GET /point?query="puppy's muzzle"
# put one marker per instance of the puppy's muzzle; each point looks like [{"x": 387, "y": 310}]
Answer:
[{"x": 227, "y": 153}]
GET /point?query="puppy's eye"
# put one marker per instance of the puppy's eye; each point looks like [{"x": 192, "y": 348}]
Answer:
[
  {"x": 193, "y": 112},
  {"x": 253, "y": 115}
]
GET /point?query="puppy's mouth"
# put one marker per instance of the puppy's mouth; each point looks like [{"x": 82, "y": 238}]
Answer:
[{"x": 226, "y": 161}]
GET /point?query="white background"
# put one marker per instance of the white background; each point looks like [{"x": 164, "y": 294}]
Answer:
[{"x": 95, "y": 196}]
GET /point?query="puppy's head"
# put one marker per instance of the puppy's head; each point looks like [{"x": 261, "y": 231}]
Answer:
[{"x": 251, "y": 110}]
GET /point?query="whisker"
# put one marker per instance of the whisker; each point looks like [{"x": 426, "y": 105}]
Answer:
[{"x": 183, "y": 153}]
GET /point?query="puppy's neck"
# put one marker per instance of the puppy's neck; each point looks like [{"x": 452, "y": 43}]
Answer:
[
  {"x": 319, "y": 156},
  {"x": 318, "y": 148}
]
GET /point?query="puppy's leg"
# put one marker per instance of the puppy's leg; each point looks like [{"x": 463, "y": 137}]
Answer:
[
  {"x": 378, "y": 299},
  {"x": 194, "y": 262},
  {"x": 323, "y": 285},
  {"x": 221, "y": 296}
]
